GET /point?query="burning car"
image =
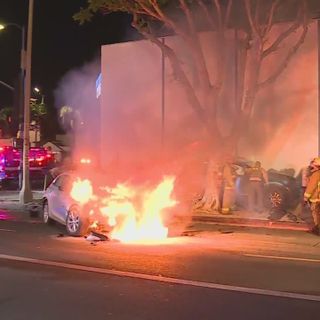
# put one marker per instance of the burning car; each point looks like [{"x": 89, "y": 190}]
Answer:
[
  {"x": 60, "y": 206},
  {"x": 130, "y": 213}
]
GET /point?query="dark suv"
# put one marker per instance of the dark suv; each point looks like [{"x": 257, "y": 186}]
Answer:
[{"x": 283, "y": 191}]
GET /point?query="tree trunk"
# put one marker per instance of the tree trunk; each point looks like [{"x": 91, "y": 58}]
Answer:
[{"x": 210, "y": 199}]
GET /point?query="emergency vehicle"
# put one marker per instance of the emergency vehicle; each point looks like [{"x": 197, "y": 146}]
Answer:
[{"x": 40, "y": 160}]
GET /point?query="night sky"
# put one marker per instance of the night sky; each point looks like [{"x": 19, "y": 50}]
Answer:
[{"x": 59, "y": 43}]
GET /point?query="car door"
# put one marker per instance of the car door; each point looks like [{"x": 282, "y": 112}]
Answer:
[{"x": 59, "y": 198}]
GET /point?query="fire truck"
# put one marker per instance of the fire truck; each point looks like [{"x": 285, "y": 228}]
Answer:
[{"x": 40, "y": 160}]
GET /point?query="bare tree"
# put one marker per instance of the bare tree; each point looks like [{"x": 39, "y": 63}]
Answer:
[{"x": 255, "y": 22}]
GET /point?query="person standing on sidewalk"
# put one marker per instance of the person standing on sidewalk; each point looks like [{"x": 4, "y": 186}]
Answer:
[
  {"x": 305, "y": 175},
  {"x": 228, "y": 181},
  {"x": 257, "y": 178},
  {"x": 312, "y": 194}
]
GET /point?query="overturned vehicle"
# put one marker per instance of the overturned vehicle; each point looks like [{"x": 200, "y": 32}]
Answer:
[{"x": 283, "y": 190}]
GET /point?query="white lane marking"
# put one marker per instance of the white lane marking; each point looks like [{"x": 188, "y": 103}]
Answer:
[
  {"x": 281, "y": 258},
  {"x": 193, "y": 283},
  {"x": 7, "y": 230}
]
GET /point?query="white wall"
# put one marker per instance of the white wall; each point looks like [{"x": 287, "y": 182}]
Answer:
[{"x": 131, "y": 106}]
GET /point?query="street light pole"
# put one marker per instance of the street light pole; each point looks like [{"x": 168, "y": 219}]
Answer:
[
  {"x": 318, "y": 35},
  {"x": 25, "y": 195},
  {"x": 22, "y": 67},
  {"x": 22, "y": 75},
  {"x": 163, "y": 92}
]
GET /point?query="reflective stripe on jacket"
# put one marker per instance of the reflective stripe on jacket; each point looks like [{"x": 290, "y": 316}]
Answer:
[
  {"x": 312, "y": 192},
  {"x": 257, "y": 174},
  {"x": 228, "y": 176}
]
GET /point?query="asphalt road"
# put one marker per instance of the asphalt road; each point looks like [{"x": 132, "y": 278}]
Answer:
[
  {"x": 268, "y": 263},
  {"x": 38, "y": 293}
]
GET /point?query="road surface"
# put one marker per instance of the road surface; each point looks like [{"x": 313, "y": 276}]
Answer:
[{"x": 216, "y": 274}]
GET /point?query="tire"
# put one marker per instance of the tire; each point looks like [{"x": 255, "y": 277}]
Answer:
[
  {"x": 46, "y": 214},
  {"x": 276, "y": 197},
  {"x": 76, "y": 224}
]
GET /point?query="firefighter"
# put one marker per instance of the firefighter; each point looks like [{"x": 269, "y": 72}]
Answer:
[
  {"x": 228, "y": 181},
  {"x": 257, "y": 177},
  {"x": 305, "y": 175},
  {"x": 312, "y": 194}
]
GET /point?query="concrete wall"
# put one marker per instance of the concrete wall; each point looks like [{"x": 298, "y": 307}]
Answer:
[{"x": 286, "y": 116}]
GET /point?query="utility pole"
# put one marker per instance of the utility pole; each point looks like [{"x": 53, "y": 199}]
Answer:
[
  {"x": 25, "y": 195},
  {"x": 318, "y": 35},
  {"x": 163, "y": 91}
]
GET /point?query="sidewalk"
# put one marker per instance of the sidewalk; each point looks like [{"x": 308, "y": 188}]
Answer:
[
  {"x": 253, "y": 219},
  {"x": 13, "y": 195},
  {"x": 259, "y": 241},
  {"x": 9, "y": 200}
]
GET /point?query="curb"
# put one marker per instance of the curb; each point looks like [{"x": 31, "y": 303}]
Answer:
[{"x": 256, "y": 223}]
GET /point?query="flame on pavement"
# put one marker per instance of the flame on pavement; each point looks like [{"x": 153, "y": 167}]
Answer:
[{"x": 134, "y": 213}]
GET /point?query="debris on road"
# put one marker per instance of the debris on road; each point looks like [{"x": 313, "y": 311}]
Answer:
[
  {"x": 95, "y": 236},
  {"x": 225, "y": 231}
]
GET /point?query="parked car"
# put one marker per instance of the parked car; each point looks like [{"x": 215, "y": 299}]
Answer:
[
  {"x": 59, "y": 206},
  {"x": 39, "y": 160}
]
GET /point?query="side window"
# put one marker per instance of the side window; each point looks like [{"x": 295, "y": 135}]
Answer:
[
  {"x": 63, "y": 182},
  {"x": 58, "y": 181}
]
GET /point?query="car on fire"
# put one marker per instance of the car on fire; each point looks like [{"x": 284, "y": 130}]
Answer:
[{"x": 59, "y": 206}]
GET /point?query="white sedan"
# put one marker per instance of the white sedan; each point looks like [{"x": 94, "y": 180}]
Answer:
[{"x": 60, "y": 207}]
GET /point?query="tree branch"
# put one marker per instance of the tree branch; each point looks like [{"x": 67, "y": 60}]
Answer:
[
  {"x": 178, "y": 71},
  {"x": 197, "y": 49},
  {"x": 286, "y": 61},
  {"x": 269, "y": 24},
  {"x": 284, "y": 35},
  {"x": 219, "y": 13},
  {"x": 207, "y": 14},
  {"x": 227, "y": 16},
  {"x": 301, "y": 19},
  {"x": 252, "y": 23},
  {"x": 257, "y": 13}
]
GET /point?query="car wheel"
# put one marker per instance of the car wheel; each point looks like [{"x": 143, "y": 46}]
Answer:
[
  {"x": 76, "y": 224},
  {"x": 45, "y": 213},
  {"x": 276, "y": 198}
]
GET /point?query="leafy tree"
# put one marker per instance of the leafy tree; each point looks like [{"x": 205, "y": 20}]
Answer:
[
  {"x": 69, "y": 117},
  {"x": 6, "y": 120},
  {"x": 38, "y": 113},
  {"x": 38, "y": 110}
]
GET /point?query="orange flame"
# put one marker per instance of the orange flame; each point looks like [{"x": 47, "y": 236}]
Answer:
[
  {"x": 134, "y": 225},
  {"x": 81, "y": 191},
  {"x": 135, "y": 214}
]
